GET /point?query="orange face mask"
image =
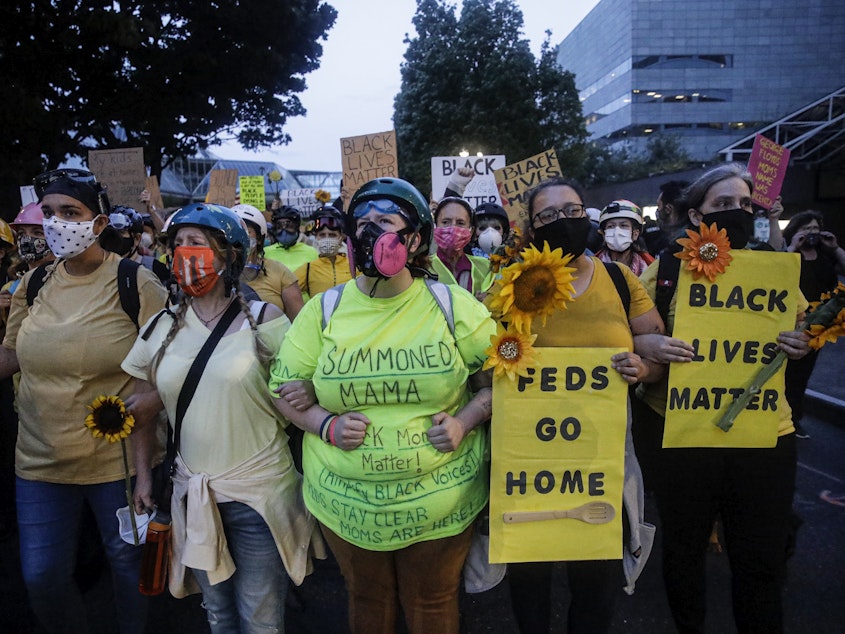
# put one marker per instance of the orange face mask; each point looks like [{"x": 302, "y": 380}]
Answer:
[{"x": 194, "y": 269}]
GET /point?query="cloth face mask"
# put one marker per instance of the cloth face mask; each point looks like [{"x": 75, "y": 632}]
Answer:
[
  {"x": 68, "y": 239},
  {"x": 193, "y": 268}
]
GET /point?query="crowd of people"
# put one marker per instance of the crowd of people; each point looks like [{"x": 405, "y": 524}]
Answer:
[{"x": 282, "y": 389}]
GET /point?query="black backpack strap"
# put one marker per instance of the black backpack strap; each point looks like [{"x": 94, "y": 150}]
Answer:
[
  {"x": 308, "y": 278},
  {"x": 36, "y": 281},
  {"x": 668, "y": 269},
  {"x": 260, "y": 318},
  {"x": 127, "y": 288},
  {"x": 149, "y": 330},
  {"x": 621, "y": 285}
]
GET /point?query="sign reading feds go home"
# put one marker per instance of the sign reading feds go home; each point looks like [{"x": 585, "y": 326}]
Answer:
[
  {"x": 733, "y": 324},
  {"x": 558, "y": 452}
]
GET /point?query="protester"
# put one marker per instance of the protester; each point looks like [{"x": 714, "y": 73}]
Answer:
[
  {"x": 288, "y": 249},
  {"x": 492, "y": 228},
  {"x": 453, "y": 230},
  {"x": 821, "y": 260},
  {"x": 752, "y": 489},
  {"x": 124, "y": 235},
  {"x": 671, "y": 218},
  {"x": 332, "y": 267},
  {"x": 238, "y": 520},
  {"x": 270, "y": 279},
  {"x": 597, "y": 316},
  {"x": 382, "y": 421},
  {"x": 67, "y": 346},
  {"x": 620, "y": 225}
]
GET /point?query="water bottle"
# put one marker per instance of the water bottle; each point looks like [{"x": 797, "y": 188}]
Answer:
[{"x": 156, "y": 556}]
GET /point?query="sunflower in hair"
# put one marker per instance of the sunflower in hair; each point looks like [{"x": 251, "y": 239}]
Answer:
[
  {"x": 706, "y": 252},
  {"x": 536, "y": 286},
  {"x": 109, "y": 418}
]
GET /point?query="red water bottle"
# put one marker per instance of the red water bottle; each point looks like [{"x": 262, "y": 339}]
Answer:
[{"x": 156, "y": 556}]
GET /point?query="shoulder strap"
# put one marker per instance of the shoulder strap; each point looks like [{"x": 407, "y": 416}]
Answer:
[
  {"x": 127, "y": 288},
  {"x": 621, "y": 285},
  {"x": 36, "y": 281},
  {"x": 668, "y": 269},
  {"x": 329, "y": 302},
  {"x": 149, "y": 330},
  {"x": 443, "y": 296},
  {"x": 308, "y": 278}
]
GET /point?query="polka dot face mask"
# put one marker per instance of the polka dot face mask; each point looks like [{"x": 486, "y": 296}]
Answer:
[{"x": 68, "y": 239}]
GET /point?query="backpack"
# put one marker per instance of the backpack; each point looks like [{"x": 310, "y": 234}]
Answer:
[
  {"x": 127, "y": 287},
  {"x": 621, "y": 285}
]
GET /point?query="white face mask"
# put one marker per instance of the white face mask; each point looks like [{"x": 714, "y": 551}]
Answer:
[
  {"x": 146, "y": 240},
  {"x": 618, "y": 239},
  {"x": 328, "y": 246},
  {"x": 68, "y": 239},
  {"x": 489, "y": 239}
]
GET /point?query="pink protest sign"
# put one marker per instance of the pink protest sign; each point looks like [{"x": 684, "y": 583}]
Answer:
[{"x": 767, "y": 164}]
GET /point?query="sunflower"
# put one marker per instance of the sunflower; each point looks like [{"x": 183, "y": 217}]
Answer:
[
  {"x": 109, "y": 419},
  {"x": 707, "y": 253},
  {"x": 510, "y": 353},
  {"x": 820, "y": 335},
  {"x": 537, "y": 286},
  {"x": 322, "y": 196}
]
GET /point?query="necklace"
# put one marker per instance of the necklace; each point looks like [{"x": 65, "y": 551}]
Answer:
[{"x": 205, "y": 322}]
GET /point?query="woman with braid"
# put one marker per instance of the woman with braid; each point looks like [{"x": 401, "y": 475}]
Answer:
[{"x": 239, "y": 525}]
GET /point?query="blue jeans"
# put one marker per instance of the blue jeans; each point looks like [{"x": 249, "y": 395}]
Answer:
[
  {"x": 48, "y": 519},
  {"x": 253, "y": 599}
]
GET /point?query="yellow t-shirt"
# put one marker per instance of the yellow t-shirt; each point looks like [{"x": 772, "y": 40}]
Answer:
[
  {"x": 69, "y": 345},
  {"x": 293, "y": 257},
  {"x": 395, "y": 361},
  {"x": 322, "y": 274},
  {"x": 269, "y": 286},
  {"x": 654, "y": 394},
  {"x": 596, "y": 318},
  {"x": 231, "y": 416}
]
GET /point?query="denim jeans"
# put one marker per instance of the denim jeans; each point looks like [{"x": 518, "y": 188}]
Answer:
[
  {"x": 48, "y": 519},
  {"x": 253, "y": 599}
]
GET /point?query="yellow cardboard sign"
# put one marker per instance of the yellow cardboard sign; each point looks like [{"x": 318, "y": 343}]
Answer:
[
  {"x": 733, "y": 325},
  {"x": 514, "y": 181},
  {"x": 558, "y": 443},
  {"x": 252, "y": 191}
]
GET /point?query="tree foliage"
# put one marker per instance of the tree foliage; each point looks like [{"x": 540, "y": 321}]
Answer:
[
  {"x": 171, "y": 76},
  {"x": 472, "y": 82},
  {"x": 663, "y": 153}
]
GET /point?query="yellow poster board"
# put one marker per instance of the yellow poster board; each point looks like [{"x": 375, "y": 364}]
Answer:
[
  {"x": 558, "y": 443},
  {"x": 514, "y": 181},
  {"x": 252, "y": 191},
  {"x": 733, "y": 325}
]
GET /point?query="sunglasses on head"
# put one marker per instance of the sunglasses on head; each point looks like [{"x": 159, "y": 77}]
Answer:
[{"x": 42, "y": 181}]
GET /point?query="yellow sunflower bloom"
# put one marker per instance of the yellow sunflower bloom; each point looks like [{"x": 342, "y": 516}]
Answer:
[
  {"x": 535, "y": 287},
  {"x": 820, "y": 335},
  {"x": 109, "y": 419},
  {"x": 510, "y": 353},
  {"x": 706, "y": 253},
  {"x": 322, "y": 196}
]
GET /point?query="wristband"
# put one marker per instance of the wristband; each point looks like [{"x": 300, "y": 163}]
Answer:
[
  {"x": 324, "y": 427},
  {"x": 331, "y": 431}
]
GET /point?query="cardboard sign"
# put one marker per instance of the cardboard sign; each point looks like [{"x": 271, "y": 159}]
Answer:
[
  {"x": 222, "y": 187},
  {"x": 481, "y": 189},
  {"x": 303, "y": 199},
  {"x": 733, "y": 325},
  {"x": 367, "y": 157},
  {"x": 252, "y": 191},
  {"x": 558, "y": 443},
  {"x": 122, "y": 171},
  {"x": 516, "y": 180},
  {"x": 767, "y": 164},
  {"x": 155, "y": 193},
  {"x": 28, "y": 195}
]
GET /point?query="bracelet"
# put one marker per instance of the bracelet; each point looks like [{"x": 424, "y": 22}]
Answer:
[
  {"x": 331, "y": 431},
  {"x": 324, "y": 427}
]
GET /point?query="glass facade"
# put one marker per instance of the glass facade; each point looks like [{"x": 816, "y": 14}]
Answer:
[{"x": 707, "y": 71}]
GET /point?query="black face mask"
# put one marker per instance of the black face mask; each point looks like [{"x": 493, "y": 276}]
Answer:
[
  {"x": 738, "y": 223},
  {"x": 111, "y": 240},
  {"x": 569, "y": 234}
]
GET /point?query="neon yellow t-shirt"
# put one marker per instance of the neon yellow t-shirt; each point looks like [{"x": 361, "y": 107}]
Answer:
[
  {"x": 395, "y": 361},
  {"x": 292, "y": 257}
]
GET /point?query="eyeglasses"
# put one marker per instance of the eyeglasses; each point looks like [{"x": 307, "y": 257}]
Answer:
[
  {"x": 328, "y": 222},
  {"x": 550, "y": 215},
  {"x": 382, "y": 205},
  {"x": 42, "y": 181}
]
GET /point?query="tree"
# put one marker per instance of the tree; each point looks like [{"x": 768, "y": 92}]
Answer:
[
  {"x": 472, "y": 82},
  {"x": 171, "y": 76}
]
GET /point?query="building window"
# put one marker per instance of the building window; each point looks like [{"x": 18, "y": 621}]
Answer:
[
  {"x": 641, "y": 95},
  {"x": 682, "y": 61}
]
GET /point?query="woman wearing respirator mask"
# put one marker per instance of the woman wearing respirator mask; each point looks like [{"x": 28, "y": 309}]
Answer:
[
  {"x": 332, "y": 267},
  {"x": 453, "y": 230},
  {"x": 620, "y": 224}
]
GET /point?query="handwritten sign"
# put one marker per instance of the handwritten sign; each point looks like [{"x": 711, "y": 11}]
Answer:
[
  {"x": 222, "y": 187},
  {"x": 481, "y": 189},
  {"x": 303, "y": 199},
  {"x": 122, "y": 171},
  {"x": 367, "y": 157},
  {"x": 252, "y": 191},
  {"x": 733, "y": 325},
  {"x": 151, "y": 185},
  {"x": 767, "y": 164},
  {"x": 558, "y": 443},
  {"x": 516, "y": 180}
]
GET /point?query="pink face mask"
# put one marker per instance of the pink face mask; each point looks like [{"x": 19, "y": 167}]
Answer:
[{"x": 451, "y": 240}]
